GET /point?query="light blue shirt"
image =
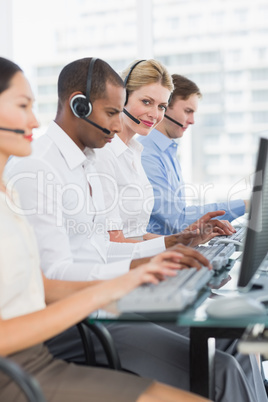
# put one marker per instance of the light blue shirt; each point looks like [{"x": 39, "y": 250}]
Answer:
[{"x": 170, "y": 213}]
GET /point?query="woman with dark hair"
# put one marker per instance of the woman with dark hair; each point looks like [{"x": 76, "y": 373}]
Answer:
[{"x": 25, "y": 320}]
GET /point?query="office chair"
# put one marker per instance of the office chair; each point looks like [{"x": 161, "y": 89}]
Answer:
[
  {"x": 30, "y": 387},
  {"x": 25, "y": 382},
  {"x": 106, "y": 341}
]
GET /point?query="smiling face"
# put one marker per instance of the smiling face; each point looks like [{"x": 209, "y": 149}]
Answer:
[
  {"x": 147, "y": 104},
  {"x": 182, "y": 111},
  {"x": 16, "y": 104},
  {"x": 106, "y": 113}
]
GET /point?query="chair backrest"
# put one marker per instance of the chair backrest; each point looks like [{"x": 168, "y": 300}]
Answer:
[
  {"x": 106, "y": 341},
  {"x": 27, "y": 383}
]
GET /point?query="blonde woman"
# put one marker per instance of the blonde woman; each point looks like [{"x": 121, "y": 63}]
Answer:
[{"x": 128, "y": 193}]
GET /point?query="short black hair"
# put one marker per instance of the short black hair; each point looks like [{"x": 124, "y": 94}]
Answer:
[
  {"x": 7, "y": 70},
  {"x": 73, "y": 77}
]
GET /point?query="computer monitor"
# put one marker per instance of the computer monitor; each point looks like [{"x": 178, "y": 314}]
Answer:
[{"x": 256, "y": 242}]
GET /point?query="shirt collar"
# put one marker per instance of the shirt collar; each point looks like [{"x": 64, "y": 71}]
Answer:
[
  {"x": 72, "y": 154},
  {"x": 162, "y": 141},
  {"x": 119, "y": 147}
]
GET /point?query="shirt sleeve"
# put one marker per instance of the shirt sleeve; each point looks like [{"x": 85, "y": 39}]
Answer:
[
  {"x": 53, "y": 240},
  {"x": 170, "y": 213},
  {"x": 149, "y": 248},
  {"x": 46, "y": 218},
  {"x": 143, "y": 249}
]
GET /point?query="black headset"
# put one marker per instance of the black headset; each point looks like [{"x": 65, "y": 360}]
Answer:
[
  {"x": 80, "y": 104},
  {"x": 127, "y": 77},
  {"x": 125, "y": 85}
]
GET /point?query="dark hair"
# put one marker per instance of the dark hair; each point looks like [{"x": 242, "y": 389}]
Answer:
[
  {"x": 7, "y": 70},
  {"x": 183, "y": 88},
  {"x": 73, "y": 77}
]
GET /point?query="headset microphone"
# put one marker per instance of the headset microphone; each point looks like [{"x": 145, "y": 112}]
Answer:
[
  {"x": 105, "y": 130},
  {"x": 16, "y": 130},
  {"x": 173, "y": 121},
  {"x": 131, "y": 116}
]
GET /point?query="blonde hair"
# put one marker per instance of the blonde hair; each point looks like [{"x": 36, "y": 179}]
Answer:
[{"x": 144, "y": 73}]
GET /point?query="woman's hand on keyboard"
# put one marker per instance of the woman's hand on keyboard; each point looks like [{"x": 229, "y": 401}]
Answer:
[{"x": 201, "y": 231}]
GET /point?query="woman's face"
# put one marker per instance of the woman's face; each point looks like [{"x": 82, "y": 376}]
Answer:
[
  {"x": 148, "y": 104},
  {"x": 16, "y": 113}
]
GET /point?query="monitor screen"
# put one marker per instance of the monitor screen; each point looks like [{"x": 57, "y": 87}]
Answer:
[{"x": 256, "y": 241}]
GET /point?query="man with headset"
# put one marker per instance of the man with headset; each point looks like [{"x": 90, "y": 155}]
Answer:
[
  {"x": 162, "y": 167},
  {"x": 62, "y": 198}
]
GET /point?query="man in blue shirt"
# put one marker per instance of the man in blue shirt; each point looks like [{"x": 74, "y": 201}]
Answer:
[{"x": 159, "y": 159}]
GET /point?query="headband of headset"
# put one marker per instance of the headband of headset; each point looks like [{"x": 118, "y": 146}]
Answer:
[
  {"x": 127, "y": 77},
  {"x": 89, "y": 77}
]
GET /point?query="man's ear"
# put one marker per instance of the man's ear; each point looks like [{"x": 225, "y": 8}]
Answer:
[{"x": 74, "y": 94}]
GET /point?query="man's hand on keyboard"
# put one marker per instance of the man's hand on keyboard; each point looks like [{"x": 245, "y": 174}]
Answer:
[
  {"x": 161, "y": 266},
  {"x": 173, "y": 294},
  {"x": 201, "y": 231},
  {"x": 190, "y": 257}
]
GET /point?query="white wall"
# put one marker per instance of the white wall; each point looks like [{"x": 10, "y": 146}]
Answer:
[{"x": 6, "y": 47}]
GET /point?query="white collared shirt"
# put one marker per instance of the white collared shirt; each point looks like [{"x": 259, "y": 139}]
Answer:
[
  {"x": 21, "y": 284},
  {"x": 128, "y": 194},
  {"x": 69, "y": 223}
]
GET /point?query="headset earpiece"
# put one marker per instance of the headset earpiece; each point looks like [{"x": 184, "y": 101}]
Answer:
[{"x": 79, "y": 105}]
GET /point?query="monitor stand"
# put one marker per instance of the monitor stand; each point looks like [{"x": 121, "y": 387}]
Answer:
[{"x": 259, "y": 289}]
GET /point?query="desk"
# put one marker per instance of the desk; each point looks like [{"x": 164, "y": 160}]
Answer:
[{"x": 202, "y": 329}]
